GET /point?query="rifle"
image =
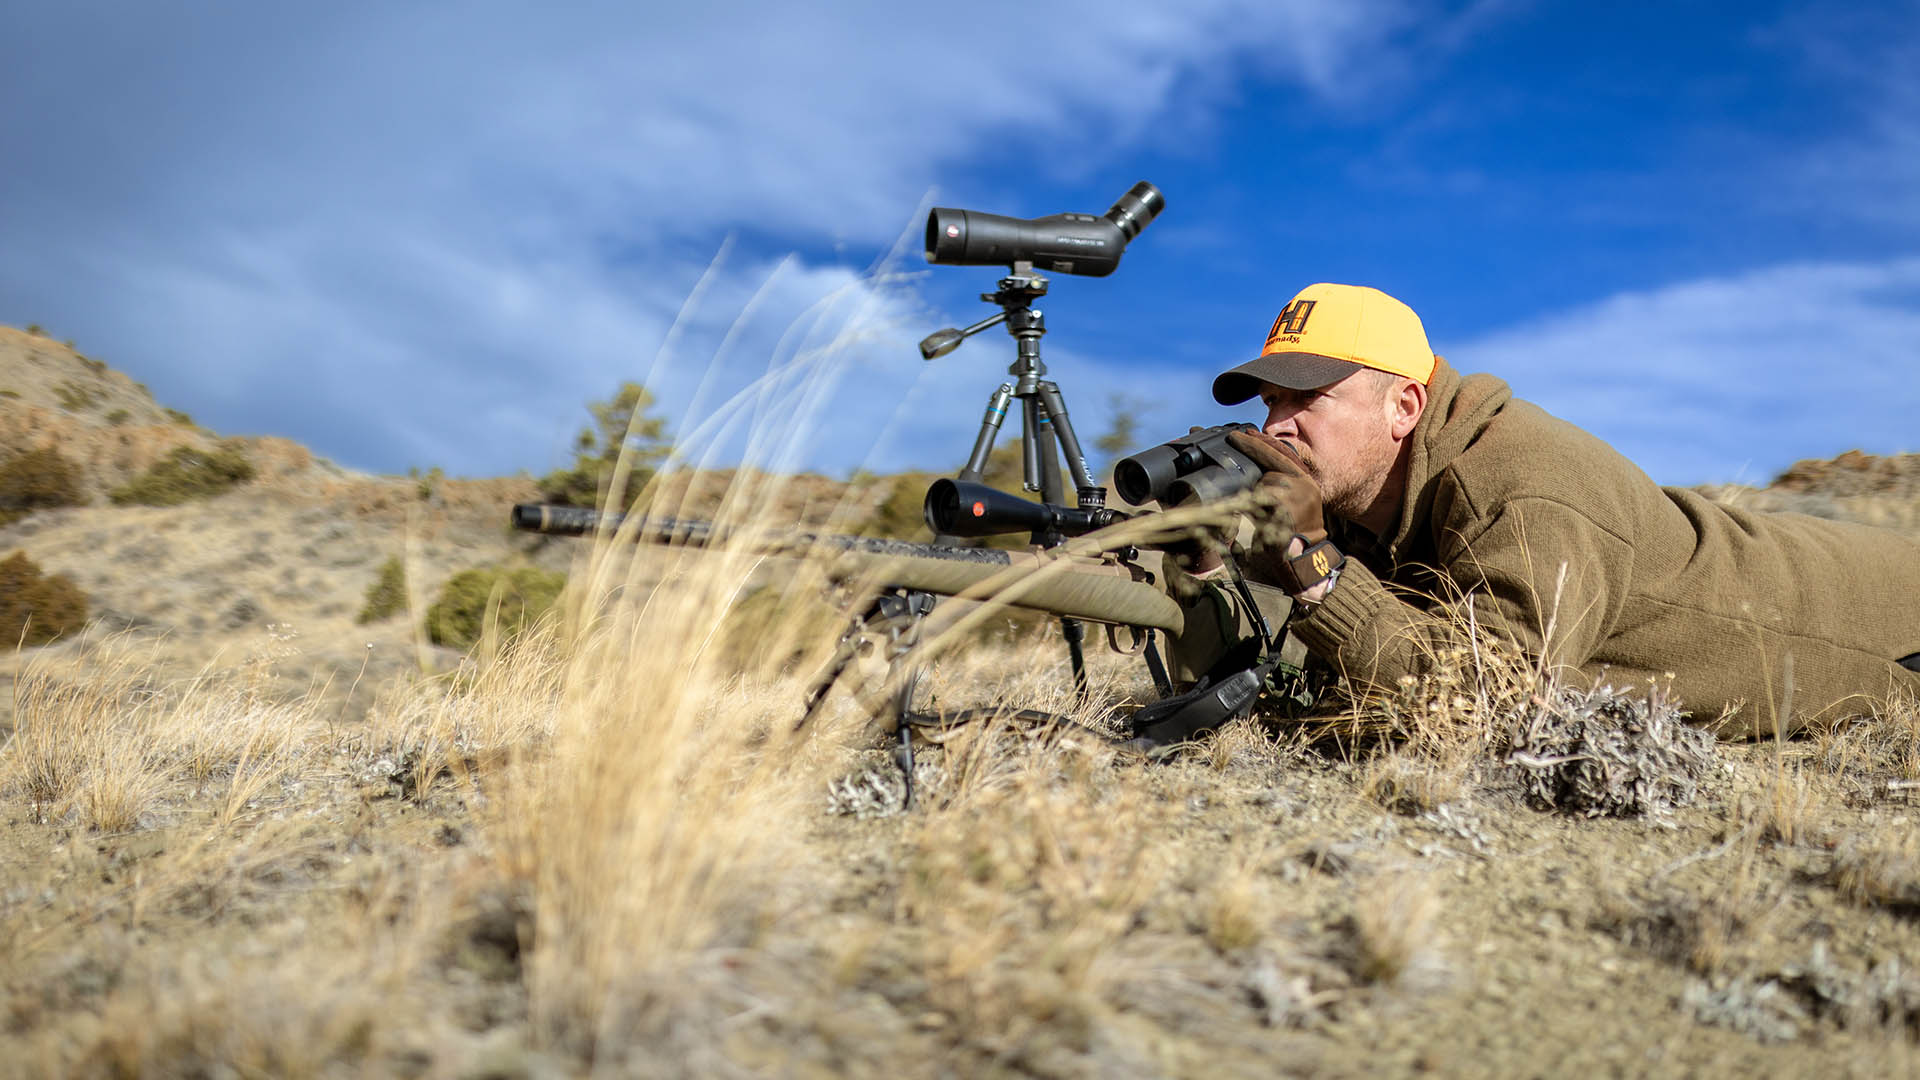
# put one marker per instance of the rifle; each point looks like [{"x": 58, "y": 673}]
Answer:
[{"x": 1097, "y": 577}]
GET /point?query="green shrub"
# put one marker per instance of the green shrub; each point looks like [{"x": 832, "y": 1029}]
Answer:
[
  {"x": 37, "y": 480},
  {"x": 34, "y": 608},
  {"x": 387, "y": 596},
  {"x": 15, "y": 394},
  {"x": 179, "y": 417},
  {"x": 428, "y": 483},
  {"x": 76, "y": 397},
  {"x": 34, "y": 329},
  {"x": 458, "y": 616},
  {"x": 98, "y": 367},
  {"x": 619, "y": 422},
  {"x": 118, "y": 417},
  {"x": 187, "y": 473}
]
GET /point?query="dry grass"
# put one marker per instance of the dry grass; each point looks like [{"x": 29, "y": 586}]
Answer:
[
  {"x": 612, "y": 854},
  {"x": 1408, "y": 782},
  {"x": 1394, "y": 920},
  {"x": 1700, "y": 928},
  {"x": 1791, "y": 810},
  {"x": 1876, "y": 757},
  {"x": 99, "y": 741},
  {"x": 1879, "y": 870},
  {"x": 272, "y": 1004}
]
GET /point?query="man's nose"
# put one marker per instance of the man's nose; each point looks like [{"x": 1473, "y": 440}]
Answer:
[{"x": 1280, "y": 421}]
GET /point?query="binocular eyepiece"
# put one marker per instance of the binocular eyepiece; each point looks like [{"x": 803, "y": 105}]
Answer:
[
  {"x": 1200, "y": 465},
  {"x": 1066, "y": 243}
]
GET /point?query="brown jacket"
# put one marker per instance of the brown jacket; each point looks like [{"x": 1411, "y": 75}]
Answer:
[{"x": 1570, "y": 548}]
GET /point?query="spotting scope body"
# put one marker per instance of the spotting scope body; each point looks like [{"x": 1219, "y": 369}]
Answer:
[{"x": 1066, "y": 243}]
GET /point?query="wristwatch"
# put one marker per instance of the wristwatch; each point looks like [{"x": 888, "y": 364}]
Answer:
[
  {"x": 1303, "y": 606},
  {"x": 1316, "y": 564}
]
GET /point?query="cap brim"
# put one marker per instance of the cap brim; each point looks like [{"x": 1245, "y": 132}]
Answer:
[{"x": 1293, "y": 370}]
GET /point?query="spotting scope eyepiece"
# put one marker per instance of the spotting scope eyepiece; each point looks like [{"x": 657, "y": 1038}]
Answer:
[{"x": 1065, "y": 243}]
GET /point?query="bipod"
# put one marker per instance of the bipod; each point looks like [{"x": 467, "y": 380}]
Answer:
[{"x": 894, "y": 616}]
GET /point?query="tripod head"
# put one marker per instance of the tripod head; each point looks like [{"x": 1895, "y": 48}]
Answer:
[{"x": 1017, "y": 293}]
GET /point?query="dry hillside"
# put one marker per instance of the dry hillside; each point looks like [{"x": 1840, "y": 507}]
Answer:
[
  {"x": 242, "y": 835},
  {"x": 280, "y": 564}
]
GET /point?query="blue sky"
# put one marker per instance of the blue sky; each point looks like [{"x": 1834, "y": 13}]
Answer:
[{"x": 415, "y": 234}]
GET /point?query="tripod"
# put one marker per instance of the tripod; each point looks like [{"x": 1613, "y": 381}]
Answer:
[{"x": 1045, "y": 431}]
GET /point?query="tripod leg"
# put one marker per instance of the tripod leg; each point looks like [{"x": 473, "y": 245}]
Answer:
[
  {"x": 1032, "y": 460},
  {"x": 989, "y": 430},
  {"x": 1051, "y": 485},
  {"x": 1056, "y": 411},
  {"x": 817, "y": 695},
  {"x": 903, "y": 760}
]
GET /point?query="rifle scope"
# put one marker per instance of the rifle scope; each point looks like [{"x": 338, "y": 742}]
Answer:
[
  {"x": 959, "y": 508},
  {"x": 1200, "y": 464},
  {"x": 1067, "y": 243}
]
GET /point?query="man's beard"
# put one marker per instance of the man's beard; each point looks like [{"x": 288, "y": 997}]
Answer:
[{"x": 1344, "y": 493}]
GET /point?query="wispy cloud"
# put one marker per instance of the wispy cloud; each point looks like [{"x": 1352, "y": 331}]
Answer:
[
  {"x": 425, "y": 235},
  {"x": 1711, "y": 381}
]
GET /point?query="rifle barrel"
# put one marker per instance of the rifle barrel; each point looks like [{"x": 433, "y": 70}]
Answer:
[{"x": 1094, "y": 590}]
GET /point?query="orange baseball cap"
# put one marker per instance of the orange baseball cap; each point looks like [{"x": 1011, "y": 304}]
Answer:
[{"x": 1328, "y": 332}]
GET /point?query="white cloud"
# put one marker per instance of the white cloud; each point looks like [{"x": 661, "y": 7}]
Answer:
[
  {"x": 1868, "y": 168},
  {"x": 1734, "y": 378},
  {"x": 425, "y": 235}
]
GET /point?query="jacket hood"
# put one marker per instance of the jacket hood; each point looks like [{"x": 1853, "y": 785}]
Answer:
[{"x": 1458, "y": 410}]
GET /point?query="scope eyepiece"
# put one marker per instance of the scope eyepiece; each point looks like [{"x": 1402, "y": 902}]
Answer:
[
  {"x": 1136, "y": 209},
  {"x": 1066, "y": 243}
]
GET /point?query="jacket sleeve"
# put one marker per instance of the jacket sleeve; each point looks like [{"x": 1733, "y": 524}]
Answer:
[{"x": 1539, "y": 573}]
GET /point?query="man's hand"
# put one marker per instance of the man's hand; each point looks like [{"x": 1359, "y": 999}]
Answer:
[
  {"x": 1285, "y": 483},
  {"x": 1299, "y": 512}
]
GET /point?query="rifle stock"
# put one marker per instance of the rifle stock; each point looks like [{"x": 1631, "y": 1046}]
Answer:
[{"x": 1098, "y": 590}]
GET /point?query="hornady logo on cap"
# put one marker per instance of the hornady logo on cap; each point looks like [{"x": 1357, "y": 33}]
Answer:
[{"x": 1292, "y": 320}]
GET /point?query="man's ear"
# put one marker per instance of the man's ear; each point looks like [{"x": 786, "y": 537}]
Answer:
[{"x": 1405, "y": 406}]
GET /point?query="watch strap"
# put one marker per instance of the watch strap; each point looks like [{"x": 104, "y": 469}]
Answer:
[{"x": 1312, "y": 566}]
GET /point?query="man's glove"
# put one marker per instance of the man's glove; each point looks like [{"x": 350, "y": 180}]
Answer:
[
  {"x": 1200, "y": 549},
  {"x": 1203, "y": 545},
  {"x": 1298, "y": 511}
]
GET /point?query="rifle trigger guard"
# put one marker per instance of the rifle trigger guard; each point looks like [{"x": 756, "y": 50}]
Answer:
[{"x": 1137, "y": 637}]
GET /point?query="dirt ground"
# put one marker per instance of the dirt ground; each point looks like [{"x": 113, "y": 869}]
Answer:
[{"x": 242, "y": 835}]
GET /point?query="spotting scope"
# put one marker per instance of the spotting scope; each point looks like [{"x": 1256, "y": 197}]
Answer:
[{"x": 1067, "y": 243}]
